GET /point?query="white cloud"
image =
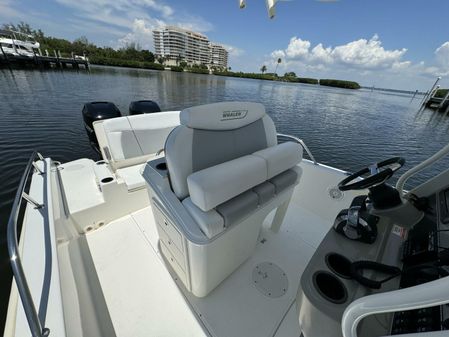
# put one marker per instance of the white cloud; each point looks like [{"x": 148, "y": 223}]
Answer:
[
  {"x": 364, "y": 60},
  {"x": 135, "y": 18},
  {"x": 164, "y": 9},
  {"x": 191, "y": 22},
  {"x": 233, "y": 51},
  {"x": 359, "y": 59},
  {"x": 367, "y": 54},
  {"x": 439, "y": 66},
  {"x": 277, "y": 54},
  {"x": 442, "y": 55},
  {"x": 297, "y": 48},
  {"x": 362, "y": 53},
  {"x": 102, "y": 10},
  {"x": 321, "y": 54},
  {"x": 141, "y": 34}
]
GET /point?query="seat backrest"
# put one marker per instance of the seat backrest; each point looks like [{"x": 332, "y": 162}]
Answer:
[
  {"x": 212, "y": 134},
  {"x": 132, "y": 140}
]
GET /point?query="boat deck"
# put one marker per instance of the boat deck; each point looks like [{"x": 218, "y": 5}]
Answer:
[{"x": 144, "y": 300}]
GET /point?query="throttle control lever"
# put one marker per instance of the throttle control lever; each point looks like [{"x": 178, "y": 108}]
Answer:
[{"x": 355, "y": 223}]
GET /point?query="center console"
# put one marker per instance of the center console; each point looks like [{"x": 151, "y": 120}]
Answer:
[
  {"x": 410, "y": 247},
  {"x": 425, "y": 257},
  {"x": 327, "y": 286}
]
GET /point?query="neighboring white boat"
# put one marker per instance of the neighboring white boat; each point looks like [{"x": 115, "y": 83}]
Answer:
[
  {"x": 18, "y": 44},
  {"x": 199, "y": 223}
]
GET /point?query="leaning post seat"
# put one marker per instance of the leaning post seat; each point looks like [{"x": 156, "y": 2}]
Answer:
[{"x": 226, "y": 173}]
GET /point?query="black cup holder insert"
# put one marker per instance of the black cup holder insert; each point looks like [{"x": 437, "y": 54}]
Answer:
[
  {"x": 162, "y": 166},
  {"x": 330, "y": 287},
  {"x": 339, "y": 264},
  {"x": 107, "y": 180}
]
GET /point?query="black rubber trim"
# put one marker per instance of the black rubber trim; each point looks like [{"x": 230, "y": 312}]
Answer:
[{"x": 357, "y": 273}]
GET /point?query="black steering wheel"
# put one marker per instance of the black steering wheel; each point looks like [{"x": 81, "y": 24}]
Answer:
[{"x": 378, "y": 174}]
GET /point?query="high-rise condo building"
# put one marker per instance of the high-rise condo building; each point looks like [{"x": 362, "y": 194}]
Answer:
[{"x": 175, "y": 45}]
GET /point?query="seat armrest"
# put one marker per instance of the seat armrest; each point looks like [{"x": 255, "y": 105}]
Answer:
[
  {"x": 215, "y": 185},
  {"x": 164, "y": 197},
  {"x": 211, "y": 222},
  {"x": 281, "y": 157}
]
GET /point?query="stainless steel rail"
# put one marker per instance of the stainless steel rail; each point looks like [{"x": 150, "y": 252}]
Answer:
[
  {"x": 34, "y": 322},
  {"x": 300, "y": 141}
]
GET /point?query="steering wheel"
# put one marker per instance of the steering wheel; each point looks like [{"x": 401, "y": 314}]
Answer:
[{"x": 378, "y": 174}]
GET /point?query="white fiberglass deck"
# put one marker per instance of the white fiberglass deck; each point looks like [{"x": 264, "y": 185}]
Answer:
[{"x": 144, "y": 300}]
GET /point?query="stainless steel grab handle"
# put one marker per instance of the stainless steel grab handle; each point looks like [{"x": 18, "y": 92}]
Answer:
[{"x": 34, "y": 322}]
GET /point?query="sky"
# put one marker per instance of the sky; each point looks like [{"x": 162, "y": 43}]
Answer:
[{"x": 401, "y": 44}]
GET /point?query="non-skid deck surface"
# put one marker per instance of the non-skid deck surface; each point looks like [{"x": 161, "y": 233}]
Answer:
[
  {"x": 140, "y": 294},
  {"x": 144, "y": 300}
]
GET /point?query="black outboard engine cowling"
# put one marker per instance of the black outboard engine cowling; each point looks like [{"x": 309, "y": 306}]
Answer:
[
  {"x": 143, "y": 107},
  {"x": 96, "y": 111}
]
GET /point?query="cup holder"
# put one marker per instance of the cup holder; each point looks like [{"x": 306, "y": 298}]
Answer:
[
  {"x": 330, "y": 287},
  {"x": 339, "y": 264},
  {"x": 162, "y": 166},
  {"x": 106, "y": 180}
]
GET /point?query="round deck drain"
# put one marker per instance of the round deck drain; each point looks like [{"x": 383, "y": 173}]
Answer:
[{"x": 270, "y": 280}]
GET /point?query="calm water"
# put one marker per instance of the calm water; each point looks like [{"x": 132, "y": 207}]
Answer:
[{"x": 343, "y": 128}]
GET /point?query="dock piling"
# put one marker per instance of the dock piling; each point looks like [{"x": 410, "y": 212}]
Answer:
[
  {"x": 3, "y": 53},
  {"x": 430, "y": 91},
  {"x": 413, "y": 97},
  {"x": 446, "y": 98},
  {"x": 429, "y": 94},
  {"x": 447, "y": 111}
]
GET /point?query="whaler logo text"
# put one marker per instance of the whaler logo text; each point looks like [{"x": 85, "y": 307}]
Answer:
[{"x": 233, "y": 114}]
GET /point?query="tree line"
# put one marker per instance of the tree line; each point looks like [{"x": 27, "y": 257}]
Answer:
[
  {"x": 82, "y": 46},
  {"x": 290, "y": 77},
  {"x": 132, "y": 55}
]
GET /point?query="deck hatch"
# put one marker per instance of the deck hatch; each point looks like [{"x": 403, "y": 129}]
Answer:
[{"x": 270, "y": 279}]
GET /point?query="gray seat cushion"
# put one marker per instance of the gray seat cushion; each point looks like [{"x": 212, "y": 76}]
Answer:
[
  {"x": 237, "y": 208},
  {"x": 284, "y": 180},
  {"x": 265, "y": 192}
]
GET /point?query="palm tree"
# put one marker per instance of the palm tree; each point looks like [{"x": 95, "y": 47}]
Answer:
[
  {"x": 277, "y": 64},
  {"x": 263, "y": 69},
  {"x": 229, "y": 68}
]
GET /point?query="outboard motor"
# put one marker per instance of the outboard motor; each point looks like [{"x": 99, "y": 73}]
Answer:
[
  {"x": 143, "y": 107},
  {"x": 96, "y": 111}
]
